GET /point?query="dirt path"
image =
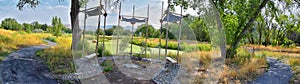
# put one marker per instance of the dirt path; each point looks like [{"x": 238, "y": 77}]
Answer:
[
  {"x": 23, "y": 67},
  {"x": 278, "y": 73}
]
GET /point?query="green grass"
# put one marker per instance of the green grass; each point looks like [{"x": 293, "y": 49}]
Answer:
[
  {"x": 51, "y": 38},
  {"x": 173, "y": 45},
  {"x": 135, "y": 48},
  {"x": 107, "y": 65}
]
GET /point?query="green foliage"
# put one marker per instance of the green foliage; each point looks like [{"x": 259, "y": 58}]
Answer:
[
  {"x": 108, "y": 65},
  {"x": 204, "y": 47},
  {"x": 106, "y": 52},
  {"x": 11, "y": 24},
  {"x": 50, "y": 38},
  {"x": 110, "y": 31},
  {"x": 199, "y": 28},
  {"x": 29, "y": 3},
  {"x": 142, "y": 30},
  {"x": 57, "y": 26},
  {"x": 28, "y": 27},
  {"x": 174, "y": 45},
  {"x": 67, "y": 30}
]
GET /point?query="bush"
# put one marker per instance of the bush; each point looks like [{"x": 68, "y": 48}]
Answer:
[
  {"x": 204, "y": 47},
  {"x": 108, "y": 66},
  {"x": 106, "y": 52},
  {"x": 50, "y": 38}
]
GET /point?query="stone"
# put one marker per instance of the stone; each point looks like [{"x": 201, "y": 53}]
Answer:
[{"x": 131, "y": 66}]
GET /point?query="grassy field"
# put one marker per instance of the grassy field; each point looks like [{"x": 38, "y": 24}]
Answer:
[
  {"x": 135, "y": 48},
  {"x": 13, "y": 40},
  {"x": 187, "y": 46}
]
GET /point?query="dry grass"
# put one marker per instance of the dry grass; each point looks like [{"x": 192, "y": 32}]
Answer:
[
  {"x": 59, "y": 58},
  {"x": 242, "y": 68},
  {"x": 275, "y": 48},
  {"x": 13, "y": 40},
  {"x": 293, "y": 59}
]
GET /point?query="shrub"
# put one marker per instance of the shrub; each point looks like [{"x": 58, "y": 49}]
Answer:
[
  {"x": 106, "y": 52},
  {"x": 51, "y": 38},
  {"x": 107, "y": 69},
  {"x": 107, "y": 66},
  {"x": 204, "y": 47}
]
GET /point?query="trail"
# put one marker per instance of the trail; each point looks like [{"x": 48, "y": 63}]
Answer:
[
  {"x": 278, "y": 73},
  {"x": 23, "y": 67}
]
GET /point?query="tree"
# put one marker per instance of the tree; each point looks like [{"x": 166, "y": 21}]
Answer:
[
  {"x": 110, "y": 31},
  {"x": 28, "y": 27},
  {"x": 36, "y": 25},
  {"x": 57, "y": 26},
  {"x": 67, "y": 30},
  {"x": 11, "y": 24},
  {"x": 200, "y": 30},
  {"x": 246, "y": 12},
  {"x": 142, "y": 29},
  {"x": 44, "y": 27}
]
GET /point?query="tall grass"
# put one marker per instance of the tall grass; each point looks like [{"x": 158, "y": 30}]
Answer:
[
  {"x": 243, "y": 66},
  {"x": 13, "y": 40},
  {"x": 275, "y": 48},
  {"x": 59, "y": 58}
]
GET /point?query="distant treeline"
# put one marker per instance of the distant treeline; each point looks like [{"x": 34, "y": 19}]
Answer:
[{"x": 12, "y": 24}]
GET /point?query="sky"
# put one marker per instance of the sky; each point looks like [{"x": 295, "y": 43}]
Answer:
[{"x": 44, "y": 12}]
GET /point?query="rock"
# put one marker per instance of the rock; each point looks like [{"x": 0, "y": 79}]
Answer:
[{"x": 131, "y": 66}]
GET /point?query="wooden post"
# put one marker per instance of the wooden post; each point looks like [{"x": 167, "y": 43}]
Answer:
[
  {"x": 160, "y": 31},
  {"x": 118, "y": 28},
  {"x": 147, "y": 31},
  {"x": 84, "y": 26},
  {"x": 98, "y": 30},
  {"x": 178, "y": 41},
  {"x": 167, "y": 30},
  {"x": 105, "y": 16},
  {"x": 132, "y": 33}
]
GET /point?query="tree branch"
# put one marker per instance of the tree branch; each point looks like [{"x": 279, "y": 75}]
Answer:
[{"x": 246, "y": 28}]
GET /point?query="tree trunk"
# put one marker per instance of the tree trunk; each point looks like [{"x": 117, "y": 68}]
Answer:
[
  {"x": 232, "y": 50},
  {"x": 75, "y": 24},
  {"x": 249, "y": 38},
  {"x": 260, "y": 34},
  {"x": 267, "y": 34}
]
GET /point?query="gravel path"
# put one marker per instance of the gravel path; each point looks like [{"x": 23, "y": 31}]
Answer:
[
  {"x": 23, "y": 67},
  {"x": 278, "y": 73}
]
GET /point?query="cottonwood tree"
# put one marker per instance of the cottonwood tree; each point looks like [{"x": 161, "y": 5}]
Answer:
[
  {"x": 57, "y": 26},
  {"x": 237, "y": 16},
  {"x": 11, "y": 24}
]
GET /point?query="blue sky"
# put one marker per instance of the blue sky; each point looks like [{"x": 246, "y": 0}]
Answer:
[{"x": 44, "y": 12}]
